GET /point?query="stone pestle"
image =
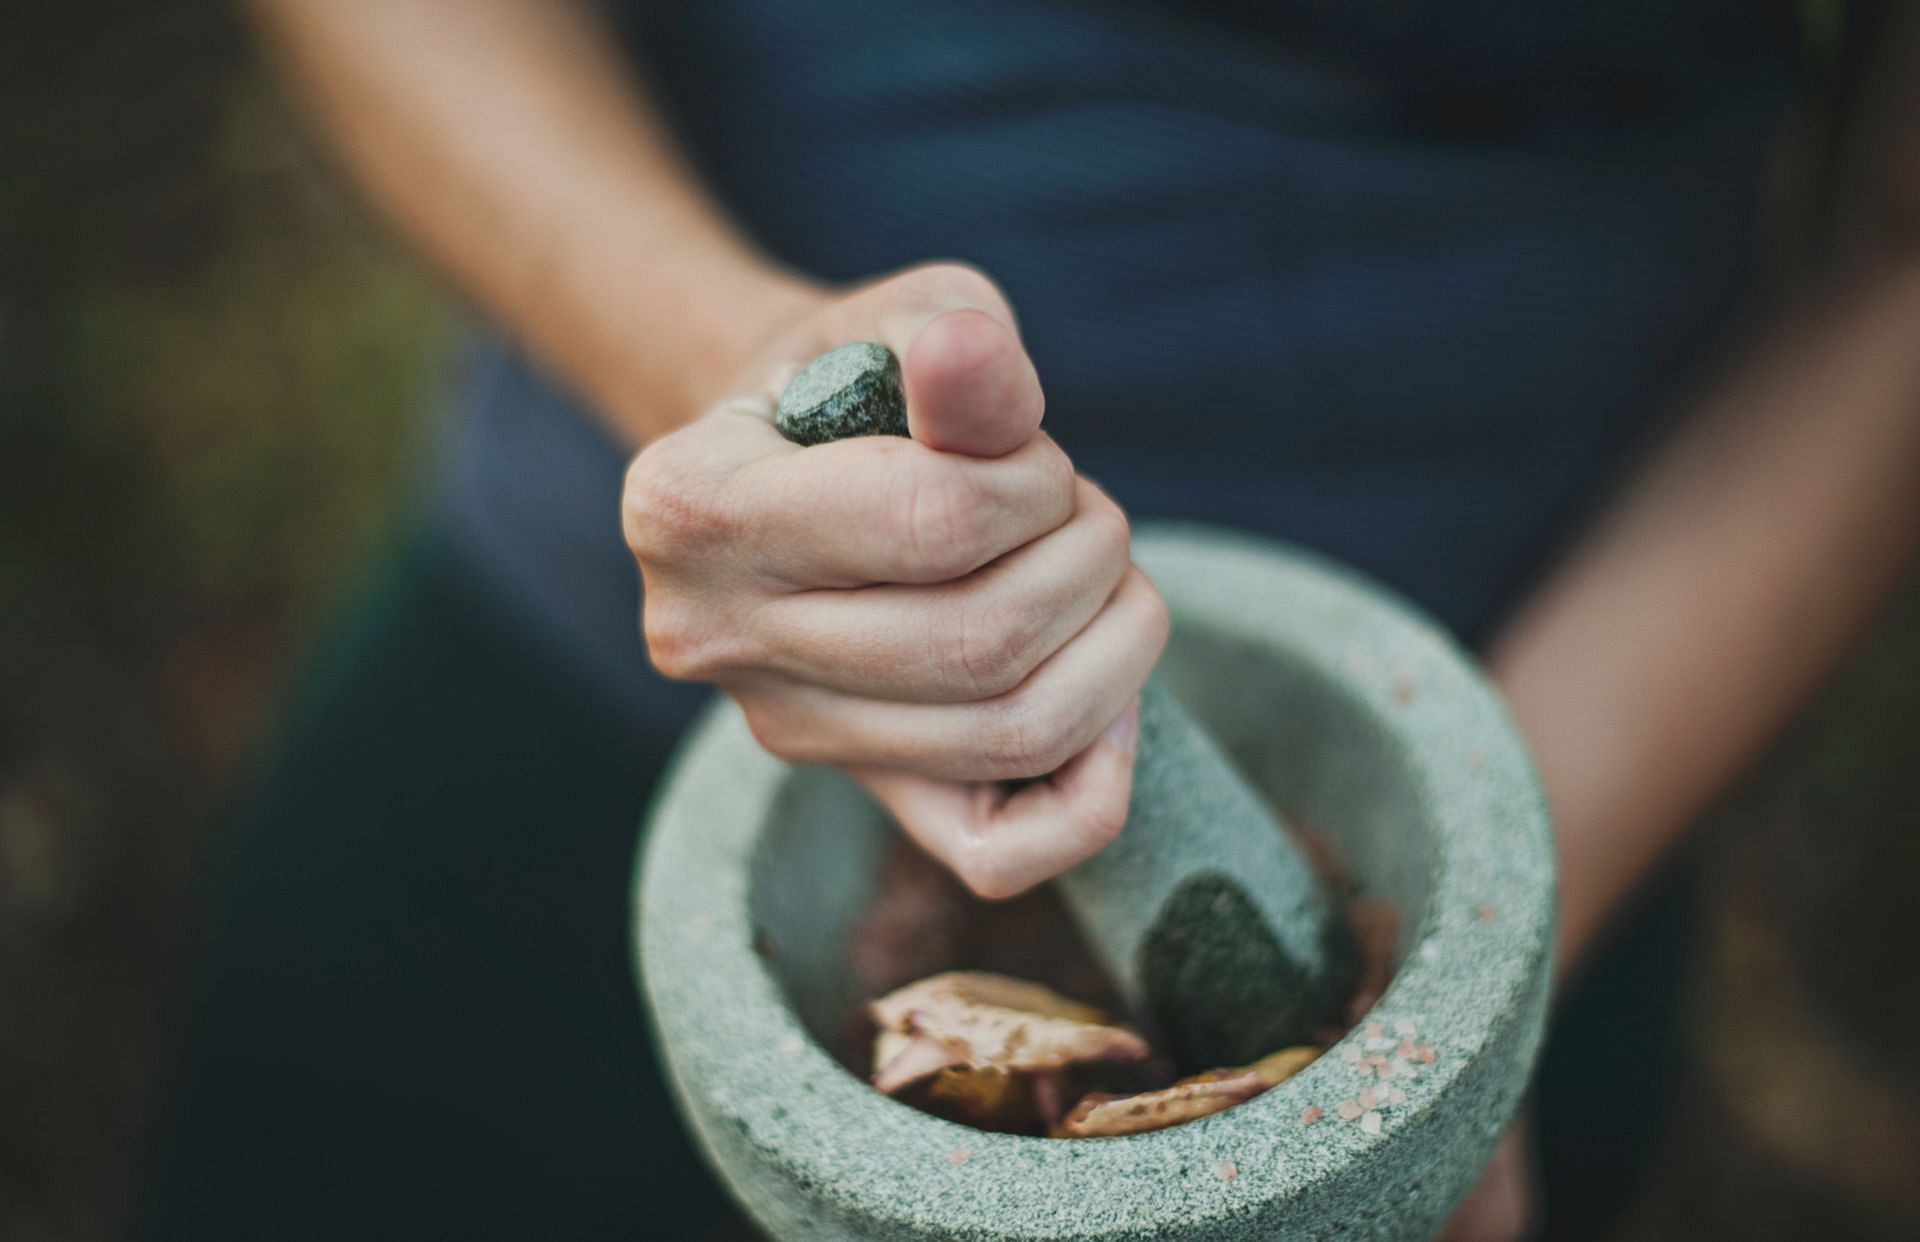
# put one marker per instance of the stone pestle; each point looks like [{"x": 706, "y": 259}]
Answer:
[{"x": 1216, "y": 928}]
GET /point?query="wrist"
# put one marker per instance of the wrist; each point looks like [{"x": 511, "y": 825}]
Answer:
[
  {"x": 741, "y": 313},
  {"x": 667, "y": 361}
]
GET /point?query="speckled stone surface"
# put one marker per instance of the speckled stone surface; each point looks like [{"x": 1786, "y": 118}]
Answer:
[
  {"x": 850, "y": 391},
  {"x": 1339, "y": 705},
  {"x": 1203, "y": 911}
]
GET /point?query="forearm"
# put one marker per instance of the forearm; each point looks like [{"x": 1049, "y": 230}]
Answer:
[
  {"x": 508, "y": 141},
  {"x": 1720, "y": 589}
]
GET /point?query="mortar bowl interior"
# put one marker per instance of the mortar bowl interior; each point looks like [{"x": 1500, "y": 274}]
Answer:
[{"x": 1353, "y": 717}]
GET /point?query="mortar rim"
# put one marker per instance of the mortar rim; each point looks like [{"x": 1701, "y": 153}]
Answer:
[{"x": 1204, "y": 574}]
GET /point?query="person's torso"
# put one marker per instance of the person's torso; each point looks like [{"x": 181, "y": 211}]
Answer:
[{"x": 1402, "y": 280}]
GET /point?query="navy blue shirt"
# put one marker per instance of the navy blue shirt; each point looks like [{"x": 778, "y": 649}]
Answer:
[{"x": 1405, "y": 281}]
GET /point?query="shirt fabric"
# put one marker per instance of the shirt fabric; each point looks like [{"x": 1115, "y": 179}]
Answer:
[{"x": 1403, "y": 281}]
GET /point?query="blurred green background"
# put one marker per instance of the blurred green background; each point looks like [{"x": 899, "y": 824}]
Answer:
[{"x": 215, "y": 382}]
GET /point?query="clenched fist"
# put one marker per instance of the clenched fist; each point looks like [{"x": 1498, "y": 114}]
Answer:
[{"x": 954, "y": 619}]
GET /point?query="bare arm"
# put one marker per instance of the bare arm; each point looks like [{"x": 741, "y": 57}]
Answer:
[
  {"x": 508, "y": 140},
  {"x": 1721, "y": 590},
  {"x": 1729, "y": 579},
  {"x": 906, "y": 610}
]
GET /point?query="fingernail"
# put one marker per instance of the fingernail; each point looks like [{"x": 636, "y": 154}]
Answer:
[{"x": 1124, "y": 733}]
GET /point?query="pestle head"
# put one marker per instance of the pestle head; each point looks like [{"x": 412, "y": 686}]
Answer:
[
  {"x": 1209, "y": 918},
  {"x": 850, "y": 391},
  {"x": 1223, "y": 988},
  {"x": 1205, "y": 911}
]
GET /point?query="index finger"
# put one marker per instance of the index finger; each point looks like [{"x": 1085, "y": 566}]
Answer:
[{"x": 883, "y": 509}]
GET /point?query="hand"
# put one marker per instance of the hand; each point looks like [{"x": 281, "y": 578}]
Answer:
[
  {"x": 1503, "y": 1206},
  {"x": 938, "y": 616}
]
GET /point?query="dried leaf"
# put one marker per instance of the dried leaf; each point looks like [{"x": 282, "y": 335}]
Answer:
[
  {"x": 989, "y": 1021},
  {"x": 980, "y": 1096},
  {"x": 981, "y": 988},
  {"x": 900, "y": 1060},
  {"x": 1276, "y": 1067},
  {"x": 1106, "y": 1116}
]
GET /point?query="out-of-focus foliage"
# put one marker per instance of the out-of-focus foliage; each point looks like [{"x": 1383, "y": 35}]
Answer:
[{"x": 211, "y": 375}]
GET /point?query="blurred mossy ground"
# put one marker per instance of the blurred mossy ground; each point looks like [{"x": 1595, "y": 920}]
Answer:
[{"x": 213, "y": 384}]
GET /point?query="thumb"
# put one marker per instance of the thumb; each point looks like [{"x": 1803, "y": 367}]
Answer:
[{"x": 970, "y": 386}]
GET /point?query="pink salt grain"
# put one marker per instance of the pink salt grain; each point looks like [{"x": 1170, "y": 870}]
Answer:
[
  {"x": 1311, "y": 1114},
  {"x": 1227, "y": 1171},
  {"x": 1350, "y": 1110},
  {"x": 1370, "y": 1124},
  {"x": 959, "y": 1156},
  {"x": 1369, "y": 1100},
  {"x": 1488, "y": 914},
  {"x": 1396, "y": 1096}
]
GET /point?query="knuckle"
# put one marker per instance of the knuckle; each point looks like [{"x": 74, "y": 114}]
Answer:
[
  {"x": 987, "y": 871},
  {"x": 1098, "y": 825},
  {"x": 1114, "y": 531},
  {"x": 990, "y": 652},
  {"x": 1058, "y": 479},
  {"x": 1159, "y": 621},
  {"x": 665, "y": 515},
  {"x": 672, "y": 644},
  {"x": 942, "y": 515},
  {"x": 685, "y": 647},
  {"x": 1029, "y": 737},
  {"x": 772, "y": 729}
]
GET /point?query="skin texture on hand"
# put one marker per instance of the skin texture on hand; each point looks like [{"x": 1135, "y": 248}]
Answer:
[{"x": 941, "y": 617}]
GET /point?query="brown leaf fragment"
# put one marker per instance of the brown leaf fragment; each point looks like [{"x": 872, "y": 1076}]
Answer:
[
  {"x": 981, "y": 988},
  {"x": 900, "y": 1060},
  {"x": 1106, "y": 1116},
  {"x": 982, "y": 1096},
  {"x": 989, "y": 1021},
  {"x": 1276, "y": 1067}
]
